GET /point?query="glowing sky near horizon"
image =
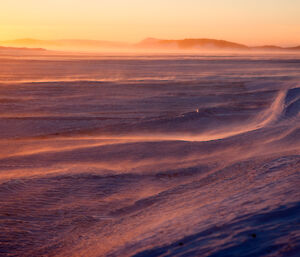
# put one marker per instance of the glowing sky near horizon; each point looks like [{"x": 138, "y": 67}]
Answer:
[{"x": 245, "y": 21}]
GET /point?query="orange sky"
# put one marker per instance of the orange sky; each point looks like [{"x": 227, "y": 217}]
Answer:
[{"x": 246, "y": 21}]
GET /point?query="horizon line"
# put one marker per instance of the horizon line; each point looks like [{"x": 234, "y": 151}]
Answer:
[{"x": 154, "y": 38}]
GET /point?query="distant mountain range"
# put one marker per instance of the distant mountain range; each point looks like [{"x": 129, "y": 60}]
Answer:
[
  {"x": 21, "y": 50},
  {"x": 147, "y": 44},
  {"x": 72, "y": 44},
  {"x": 6, "y": 48},
  {"x": 203, "y": 43}
]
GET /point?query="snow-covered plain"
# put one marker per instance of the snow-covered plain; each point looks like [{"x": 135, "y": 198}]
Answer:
[{"x": 150, "y": 155}]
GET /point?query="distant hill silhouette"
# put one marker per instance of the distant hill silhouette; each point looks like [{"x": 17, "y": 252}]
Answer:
[{"x": 190, "y": 44}]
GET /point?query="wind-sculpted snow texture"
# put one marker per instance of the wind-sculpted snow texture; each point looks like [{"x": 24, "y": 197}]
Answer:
[{"x": 171, "y": 155}]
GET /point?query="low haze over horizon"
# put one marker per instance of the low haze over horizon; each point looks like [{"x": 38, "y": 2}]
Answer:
[{"x": 248, "y": 22}]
